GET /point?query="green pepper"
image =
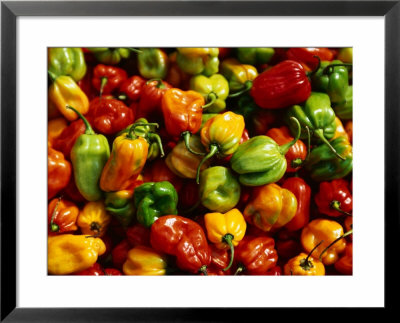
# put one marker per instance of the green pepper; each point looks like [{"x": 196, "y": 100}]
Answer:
[
  {"x": 260, "y": 160},
  {"x": 154, "y": 199},
  {"x": 219, "y": 189},
  {"x": 89, "y": 154},
  {"x": 110, "y": 56},
  {"x": 214, "y": 89},
  {"x": 152, "y": 63},
  {"x": 246, "y": 107},
  {"x": 67, "y": 61},
  {"x": 121, "y": 205},
  {"x": 318, "y": 115},
  {"x": 323, "y": 165},
  {"x": 240, "y": 76},
  {"x": 204, "y": 118},
  {"x": 198, "y": 60},
  {"x": 344, "y": 110},
  {"x": 254, "y": 56}
]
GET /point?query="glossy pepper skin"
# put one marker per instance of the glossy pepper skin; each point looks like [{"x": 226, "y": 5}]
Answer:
[
  {"x": 109, "y": 116},
  {"x": 334, "y": 198},
  {"x": 151, "y": 97},
  {"x": 340, "y": 131},
  {"x": 110, "y": 56},
  {"x": 107, "y": 79},
  {"x": 198, "y": 60},
  {"x": 296, "y": 154},
  {"x": 121, "y": 206},
  {"x": 152, "y": 63},
  {"x": 64, "y": 92},
  {"x": 66, "y": 140},
  {"x": 69, "y": 61},
  {"x": 302, "y": 265},
  {"x": 174, "y": 235},
  {"x": 145, "y": 261},
  {"x": 127, "y": 159},
  {"x": 153, "y": 200},
  {"x": 131, "y": 89},
  {"x": 214, "y": 89},
  {"x": 323, "y": 165},
  {"x": 158, "y": 171},
  {"x": 254, "y": 56},
  {"x": 62, "y": 215},
  {"x": 55, "y": 127},
  {"x": 58, "y": 172},
  {"x": 338, "y": 81},
  {"x": 302, "y": 191},
  {"x": 88, "y": 157},
  {"x": 281, "y": 86},
  {"x": 326, "y": 231},
  {"x": 256, "y": 255},
  {"x": 345, "y": 264},
  {"x": 271, "y": 207},
  {"x": 219, "y": 189},
  {"x": 225, "y": 230},
  {"x": 69, "y": 253},
  {"x": 240, "y": 76},
  {"x": 220, "y": 136},
  {"x": 344, "y": 109},
  {"x": 94, "y": 219},
  {"x": 307, "y": 55},
  {"x": 260, "y": 160}
]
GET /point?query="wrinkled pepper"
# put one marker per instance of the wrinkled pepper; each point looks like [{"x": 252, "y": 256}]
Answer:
[
  {"x": 214, "y": 89},
  {"x": 260, "y": 160},
  {"x": 58, "y": 172},
  {"x": 107, "y": 79},
  {"x": 131, "y": 89},
  {"x": 150, "y": 99},
  {"x": 55, "y": 128},
  {"x": 67, "y": 253},
  {"x": 340, "y": 131},
  {"x": 145, "y": 261},
  {"x": 308, "y": 55},
  {"x": 62, "y": 215},
  {"x": 334, "y": 198},
  {"x": 271, "y": 207},
  {"x": 304, "y": 265},
  {"x": 254, "y": 56},
  {"x": 69, "y": 61},
  {"x": 153, "y": 200},
  {"x": 121, "y": 206},
  {"x": 346, "y": 55},
  {"x": 158, "y": 171},
  {"x": 152, "y": 63},
  {"x": 198, "y": 60},
  {"x": 344, "y": 109},
  {"x": 66, "y": 140},
  {"x": 345, "y": 264},
  {"x": 225, "y": 230},
  {"x": 240, "y": 76},
  {"x": 88, "y": 156},
  {"x": 93, "y": 219},
  {"x": 219, "y": 189},
  {"x": 110, "y": 56},
  {"x": 138, "y": 235},
  {"x": 175, "y": 235}
]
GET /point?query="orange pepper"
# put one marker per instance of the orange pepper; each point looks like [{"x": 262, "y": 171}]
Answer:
[
  {"x": 94, "y": 219},
  {"x": 62, "y": 215},
  {"x": 349, "y": 129},
  {"x": 54, "y": 128},
  {"x": 340, "y": 131},
  {"x": 58, "y": 172},
  {"x": 304, "y": 265},
  {"x": 145, "y": 261}
]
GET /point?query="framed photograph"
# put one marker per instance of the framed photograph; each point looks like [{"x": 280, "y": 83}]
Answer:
[{"x": 301, "y": 63}]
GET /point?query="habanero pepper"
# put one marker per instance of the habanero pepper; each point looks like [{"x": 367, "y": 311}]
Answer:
[
  {"x": 69, "y": 61},
  {"x": 138, "y": 235},
  {"x": 119, "y": 253},
  {"x": 131, "y": 89},
  {"x": 304, "y": 265},
  {"x": 62, "y": 215},
  {"x": 93, "y": 219},
  {"x": 121, "y": 206},
  {"x": 111, "y": 56},
  {"x": 107, "y": 79},
  {"x": 308, "y": 55},
  {"x": 345, "y": 264},
  {"x": 145, "y": 261},
  {"x": 254, "y": 55},
  {"x": 58, "y": 172},
  {"x": 54, "y": 129},
  {"x": 219, "y": 261},
  {"x": 174, "y": 235},
  {"x": 334, "y": 198},
  {"x": 152, "y": 63},
  {"x": 344, "y": 109},
  {"x": 151, "y": 97},
  {"x": 158, "y": 171},
  {"x": 340, "y": 131},
  {"x": 198, "y": 60}
]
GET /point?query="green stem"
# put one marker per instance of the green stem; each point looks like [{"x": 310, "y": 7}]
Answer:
[
  {"x": 160, "y": 84},
  {"x": 203, "y": 270},
  {"x": 330, "y": 68},
  {"x": 315, "y": 70},
  {"x": 211, "y": 98},
  {"x": 239, "y": 269},
  {"x": 103, "y": 83},
  {"x": 53, "y": 76},
  {"x": 334, "y": 241},
  {"x": 320, "y": 134},
  {"x": 246, "y": 87},
  {"x": 122, "y": 96},
  {"x": 53, "y": 226},
  {"x": 89, "y": 130},
  {"x": 186, "y": 137},
  {"x": 227, "y": 238},
  {"x": 156, "y": 138},
  {"x": 306, "y": 264},
  {"x": 137, "y": 51},
  {"x": 336, "y": 206},
  {"x": 284, "y": 148},
  {"x": 214, "y": 148},
  {"x": 140, "y": 124}
]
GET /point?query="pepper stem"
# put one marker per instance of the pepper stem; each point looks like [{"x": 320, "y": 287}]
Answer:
[
  {"x": 336, "y": 206},
  {"x": 159, "y": 85},
  {"x": 305, "y": 264},
  {"x": 298, "y": 161},
  {"x": 89, "y": 130},
  {"x": 330, "y": 68},
  {"x": 227, "y": 238},
  {"x": 334, "y": 241},
  {"x": 140, "y": 124},
  {"x": 246, "y": 87},
  {"x": 122, "y": 96},
  {"x": 211, "y": 98},
  {"x": 53, "y": 226},
  {"x": 203, "y": 270},
  {"x": 103, "y": 83},
  {"x": 315, "y": 70},
  {"x": 186, "y": 137},
  {"x": 156, "y": 138},
  {"x": 53, "y": 76},
  {"x": 284, "y": 148},
  {"x": 319, "y": 133},
  {"x": 137, "y": 51},
  {"x": 239, "y": 269},
  {"x": 213, "y": 150}
]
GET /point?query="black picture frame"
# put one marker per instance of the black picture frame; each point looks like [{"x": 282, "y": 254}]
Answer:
[{"x": 10, "y": 10}]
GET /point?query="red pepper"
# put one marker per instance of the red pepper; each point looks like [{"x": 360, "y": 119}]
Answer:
[
  {"x": 112, "y": 272},
  {"x": 262, "y": 120},
  {"x": 219, "y": 260},
  {"x": 150, "y": 100},
  {"x": 94, "y": 270},
  {"x": 86, "y": 84},
  {"x": 72, "y": 192},
  {"x": 120, "y": 253},
  {"x": 281, "y": 86},
  {"x": 58, "y": 172},
  {"x": 159, "y": 172},
  {"x": 274, "y": 271},
  {"x": 345, "y": 264},
  {"x": 184, "y": 239},
  {"x": 66, "y": 140},
  {"x": 256, "y": 255},
  {"x": 307, "y": 55},
  {"x": 334, "y": 198},
  {"x": 131, "y": 89},
  {"x": 302, "y": 192},
  {"x": 296, "y": 154},
  {"x": 109, "y": 116},
  {"x": 188, "y": 195},
  {"x": 107, "y": 79},
  {"x": 138, "y": 235}
]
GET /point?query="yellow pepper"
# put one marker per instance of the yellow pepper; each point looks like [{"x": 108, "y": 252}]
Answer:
[
  {"x": 271, "y": 207},
  {"x": 326, "y": 231},
  {"x": 144, "y": 261},
  {"x": 68, "y": 253},
  {"x": 225, "y": 230},
  {"x": 340, "y": 131},
  {"x": 94, "y": 219},
  {"x": 304, "y": 265},
  {"x": 54, "y": 128},
  {"x": 239, "y": 76},
  {"x": 65, "y": 92}
]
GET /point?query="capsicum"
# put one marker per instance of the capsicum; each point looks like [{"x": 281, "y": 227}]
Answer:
[
  {"x": 69, "y": 61},
  {"x": 131, "y": 89},
  {"x": 110, "y": 56},
  {"x": 152, "y": 63},
  {"x": 107, "y": 79},
  {"x": 254, "y": 56},
  {"x": 150, "y": 99},
  {"x": 198, "y": 60},
  {"x": 344, "y": 109},
  {"x": 145, "y": 261},
  {"x": 94, "y": 219},
  {"x": 62, "y": 215},
  {"x": 304, "y": 265},
  {"x": 58, "y": 172},
  {"x": 120, "y": 205},
  {"x": 240, "y": 76}
]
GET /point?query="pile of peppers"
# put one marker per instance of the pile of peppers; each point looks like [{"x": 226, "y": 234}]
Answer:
[{"x": 200, "y": 161}]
